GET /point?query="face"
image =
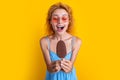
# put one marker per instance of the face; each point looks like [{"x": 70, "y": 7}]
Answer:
[{"x": 59, "y": 21}]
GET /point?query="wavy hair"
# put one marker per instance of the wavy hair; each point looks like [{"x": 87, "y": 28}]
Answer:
[{"x": 52, "y": 9}]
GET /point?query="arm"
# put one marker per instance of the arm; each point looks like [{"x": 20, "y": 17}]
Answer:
[
  {"x": 68, "y": 64},
  {"x": 44, "y": 48},
  {"x": 51, "y": 66},
  {"x": 76, "y": 48}
]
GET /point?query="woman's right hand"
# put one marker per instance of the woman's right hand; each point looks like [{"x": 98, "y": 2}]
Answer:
[{"x": 54, "y": 66}]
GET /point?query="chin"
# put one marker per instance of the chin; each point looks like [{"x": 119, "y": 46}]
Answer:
[{"x": 60, "y": 33}]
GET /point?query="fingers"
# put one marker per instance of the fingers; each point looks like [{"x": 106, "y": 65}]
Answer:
[
  {"x": 54, "y": 66},
  {"x": 66, "y": 65},
  {"x": 66, "y": 62}
]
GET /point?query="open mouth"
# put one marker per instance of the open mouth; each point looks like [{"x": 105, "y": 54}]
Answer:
[{"x": 60, "y": 28}]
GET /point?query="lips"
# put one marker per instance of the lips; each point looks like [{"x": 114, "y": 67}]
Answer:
[{"x": 60, "y": 28}]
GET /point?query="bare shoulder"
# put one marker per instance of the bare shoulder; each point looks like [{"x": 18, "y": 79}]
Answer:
[
  {"x": 78, "y": 41},
  {"x": 77, "y": 44},
  {"x": 43, "y": 41}
]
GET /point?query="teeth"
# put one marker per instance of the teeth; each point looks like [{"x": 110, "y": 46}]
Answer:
[{"x": 60, "y": 27}]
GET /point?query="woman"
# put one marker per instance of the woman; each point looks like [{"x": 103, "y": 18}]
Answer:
[{"x": 59, "y": 21}]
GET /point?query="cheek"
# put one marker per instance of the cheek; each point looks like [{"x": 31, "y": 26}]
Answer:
[
  {"x": 67, "y": 23},
  {"x": 53, "y": 23},
  {"x": 64, "y": 21},
  {"x": 54, "y": 20}
]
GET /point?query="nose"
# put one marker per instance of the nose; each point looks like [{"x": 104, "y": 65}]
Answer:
[{"x": 59, "y": 21}]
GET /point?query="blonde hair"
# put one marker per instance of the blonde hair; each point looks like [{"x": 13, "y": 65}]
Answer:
[{"x": 52, "y": 9}]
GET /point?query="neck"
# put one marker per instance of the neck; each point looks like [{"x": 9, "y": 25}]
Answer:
[{"x": 61, "y": 37}]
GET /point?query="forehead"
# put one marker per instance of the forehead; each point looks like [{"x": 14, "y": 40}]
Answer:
[{"x": 60, "y": 12}]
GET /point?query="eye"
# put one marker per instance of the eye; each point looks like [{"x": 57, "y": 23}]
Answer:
[
  {"x": 54, "y": 19},
  {"x": 64, "y": 18}
]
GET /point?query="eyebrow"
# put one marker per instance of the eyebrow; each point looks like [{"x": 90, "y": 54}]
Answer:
[{"x": 57, "y": 15}]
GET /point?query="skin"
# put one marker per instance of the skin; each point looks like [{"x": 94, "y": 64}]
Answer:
[{"x": 59, "y": 18}]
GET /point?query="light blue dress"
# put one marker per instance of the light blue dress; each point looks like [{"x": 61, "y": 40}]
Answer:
[{"x": 60, "y": 75}]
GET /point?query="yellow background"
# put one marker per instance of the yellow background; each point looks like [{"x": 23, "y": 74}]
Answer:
[{"x": 97, "y": 23}]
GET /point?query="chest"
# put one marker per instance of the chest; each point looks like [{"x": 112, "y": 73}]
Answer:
[{"x": 53, "y": 45}]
